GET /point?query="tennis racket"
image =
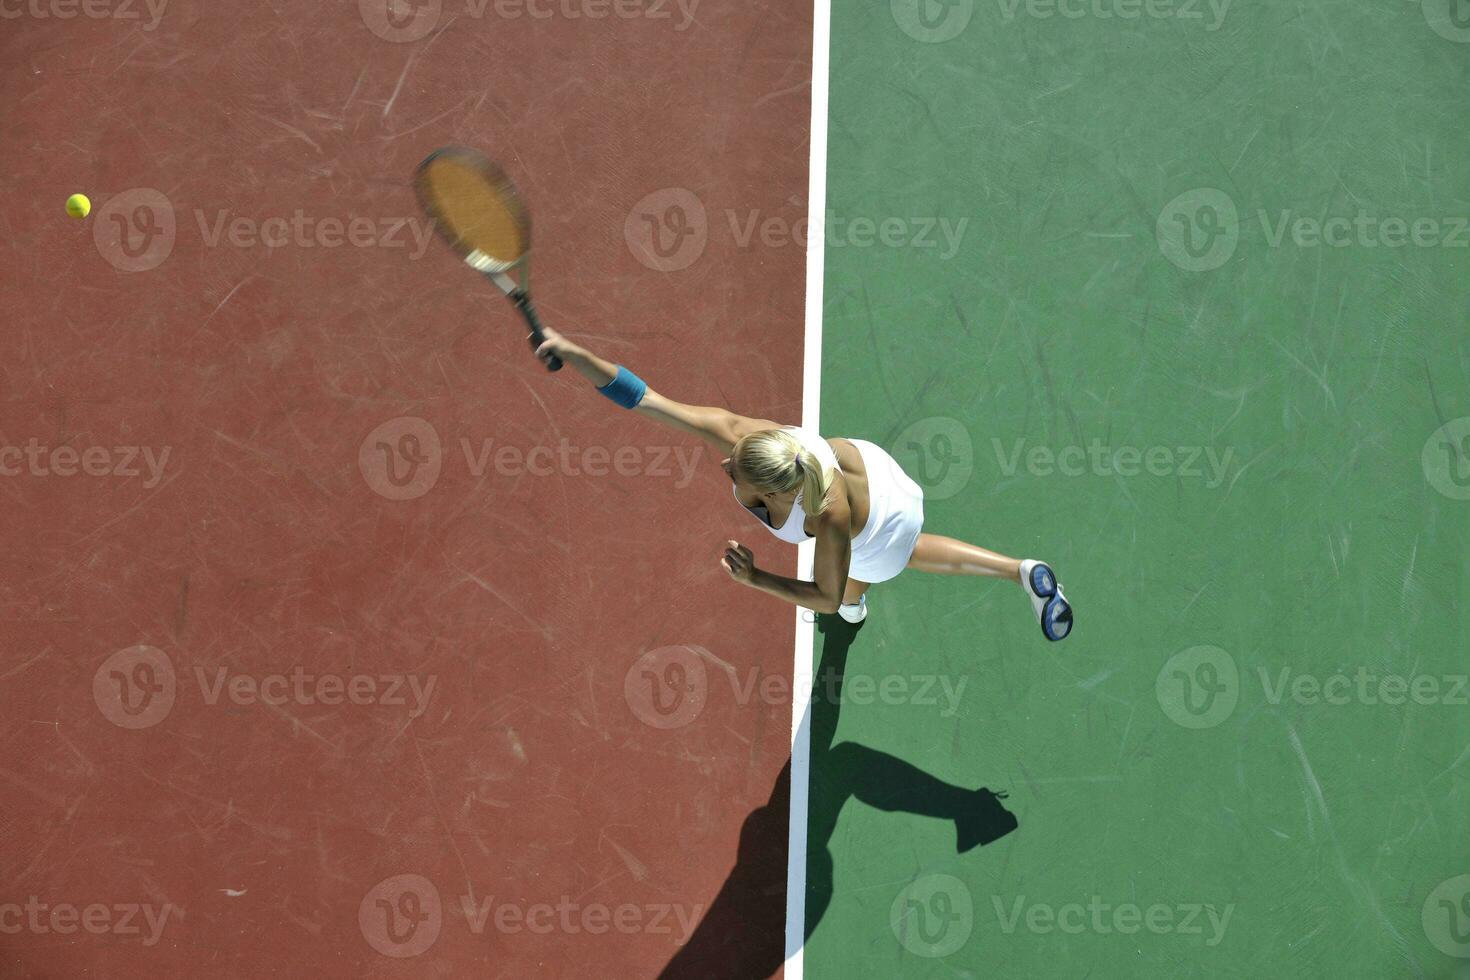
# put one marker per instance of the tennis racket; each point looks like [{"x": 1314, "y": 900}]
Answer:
[{"x": 476, "y": 210}]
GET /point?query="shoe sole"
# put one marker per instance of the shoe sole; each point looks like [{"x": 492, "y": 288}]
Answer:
[{"x": 1057, "y": 610}]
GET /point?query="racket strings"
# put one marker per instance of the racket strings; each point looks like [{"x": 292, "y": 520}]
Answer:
[{"x": 477, "y": 210}]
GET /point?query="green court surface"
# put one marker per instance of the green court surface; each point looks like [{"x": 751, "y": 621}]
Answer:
[{"x": 1146, "y": 353}]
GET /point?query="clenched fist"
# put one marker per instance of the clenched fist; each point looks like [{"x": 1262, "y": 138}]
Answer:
[{"x": 739, "y": 562}]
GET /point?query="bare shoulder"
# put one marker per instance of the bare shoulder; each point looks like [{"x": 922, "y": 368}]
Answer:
[{"x": 849, "y": 460}]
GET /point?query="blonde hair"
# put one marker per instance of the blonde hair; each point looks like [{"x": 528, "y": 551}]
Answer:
[{"x": 776, "y": 461}]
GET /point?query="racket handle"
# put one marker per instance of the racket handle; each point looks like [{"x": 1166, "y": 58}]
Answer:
[{"x": 522, "y": 300}]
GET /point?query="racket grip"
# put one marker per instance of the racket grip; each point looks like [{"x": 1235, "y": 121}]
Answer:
[{"x": 522, "y": 300}]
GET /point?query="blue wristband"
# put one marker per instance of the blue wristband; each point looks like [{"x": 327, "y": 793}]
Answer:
[{"x": 626, "y": 388}]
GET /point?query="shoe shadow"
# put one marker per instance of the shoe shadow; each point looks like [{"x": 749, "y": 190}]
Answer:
[{"x": 743, "y": 934}]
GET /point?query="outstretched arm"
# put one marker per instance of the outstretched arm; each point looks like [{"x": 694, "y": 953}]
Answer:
[{"x": 716, "y": 426}]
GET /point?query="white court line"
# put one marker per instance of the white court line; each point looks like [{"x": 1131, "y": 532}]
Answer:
[{"x": 811, "y": 417}]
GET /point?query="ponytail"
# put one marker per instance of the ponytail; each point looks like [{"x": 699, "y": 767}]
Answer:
[{"x": 816, "y": 482}]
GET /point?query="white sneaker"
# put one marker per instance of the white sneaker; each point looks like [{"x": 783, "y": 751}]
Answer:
[
  {"x": 1052, "y": 610},
  {"x": 854, "y": 612}
]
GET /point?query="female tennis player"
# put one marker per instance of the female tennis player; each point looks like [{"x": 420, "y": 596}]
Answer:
[{"x": 852, "y": 497}]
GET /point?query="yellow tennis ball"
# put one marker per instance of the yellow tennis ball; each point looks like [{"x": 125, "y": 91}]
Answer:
[{"x": 78, "y": 206}]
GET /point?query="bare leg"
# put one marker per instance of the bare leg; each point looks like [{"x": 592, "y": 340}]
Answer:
[
  {"x": 853, "y": 608},
  {"x": 947, "y": 556}
]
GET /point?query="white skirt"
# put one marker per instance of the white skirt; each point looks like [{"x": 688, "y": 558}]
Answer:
[{"x": 895, "y": 517}]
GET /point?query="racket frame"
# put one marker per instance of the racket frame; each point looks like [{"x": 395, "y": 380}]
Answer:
[{"x": 499, "y": 271}]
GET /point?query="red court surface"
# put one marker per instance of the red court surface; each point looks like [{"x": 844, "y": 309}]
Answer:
[{"x": 339, "y": 639}]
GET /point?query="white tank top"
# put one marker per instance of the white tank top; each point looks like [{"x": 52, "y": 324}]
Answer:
[{"x": 794, "y": 530}]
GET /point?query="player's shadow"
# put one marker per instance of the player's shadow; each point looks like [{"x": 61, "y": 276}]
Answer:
[{"x": 743, "y": 934}]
